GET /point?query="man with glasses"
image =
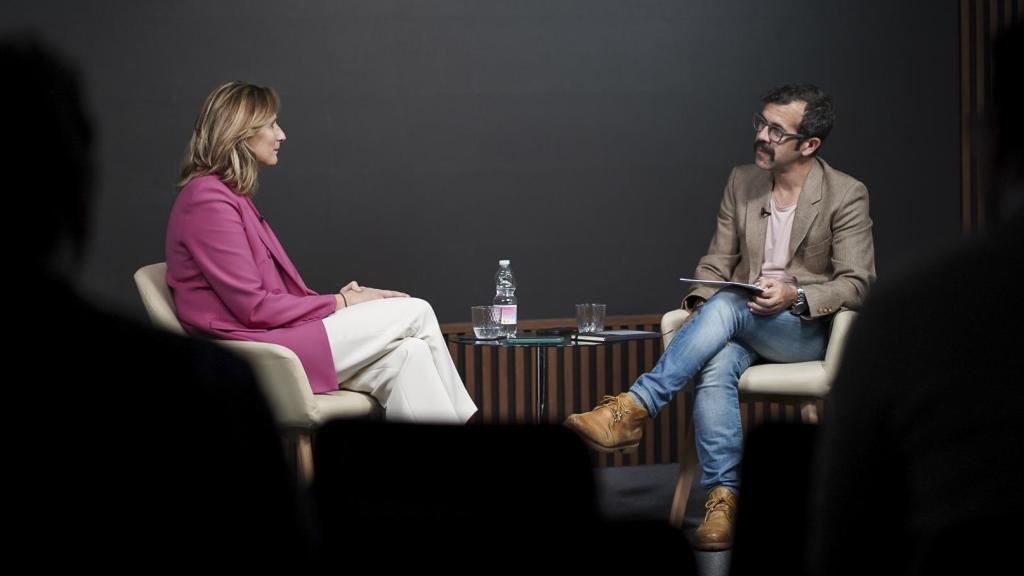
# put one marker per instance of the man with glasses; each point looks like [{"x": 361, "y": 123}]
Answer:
[{"x": 800, "y": 230}]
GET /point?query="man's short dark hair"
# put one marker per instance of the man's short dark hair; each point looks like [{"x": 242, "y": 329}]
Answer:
[{"x": 819, "y": 113}]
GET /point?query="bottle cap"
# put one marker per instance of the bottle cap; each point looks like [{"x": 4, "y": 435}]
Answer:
[{"x": 503, "y": 262}]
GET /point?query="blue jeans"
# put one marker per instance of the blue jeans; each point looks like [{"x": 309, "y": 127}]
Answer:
[{"x": 713, "y": 349}]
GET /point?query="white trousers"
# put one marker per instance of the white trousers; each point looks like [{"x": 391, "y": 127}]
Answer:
[{"x": 393, "y": 350}]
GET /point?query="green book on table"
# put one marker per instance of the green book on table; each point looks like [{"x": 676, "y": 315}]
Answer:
[{"x": 532, "y": 340}]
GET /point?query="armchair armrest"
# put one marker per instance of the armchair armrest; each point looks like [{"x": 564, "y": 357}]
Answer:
[
  {"x": 282, "y": 380},
  {"x": 841, "y": 324},
  {"x": 671, "y": 322},
  {"x": 837, "y": 342}
]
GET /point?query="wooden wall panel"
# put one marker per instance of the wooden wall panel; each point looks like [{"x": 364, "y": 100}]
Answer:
[{"x": 981, "y": 22}]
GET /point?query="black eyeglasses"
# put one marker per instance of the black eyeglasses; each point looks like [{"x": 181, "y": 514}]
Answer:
[{"x": 775, "y": 133}]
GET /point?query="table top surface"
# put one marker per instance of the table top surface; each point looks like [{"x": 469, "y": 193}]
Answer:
[{"x": 524, "y": 341}]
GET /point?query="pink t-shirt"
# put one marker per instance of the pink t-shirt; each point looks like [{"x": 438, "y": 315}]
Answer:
[{"x": 776, "y": 242}]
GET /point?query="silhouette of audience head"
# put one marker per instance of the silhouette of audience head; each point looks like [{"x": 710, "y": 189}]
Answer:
[
  {"x": 1007, "y": 120},
  {"x": 139, "y": 445},
  {"x": 432, "y": 487},
  {"x": 500, "y": 497},
  {"x": 47, "y": 150},
  {"x": 917, "y": 467}
]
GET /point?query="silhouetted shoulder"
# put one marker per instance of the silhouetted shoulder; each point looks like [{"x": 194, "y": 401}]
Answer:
[
  {"x": 154, "y": 433},
  {"x": 927, "y": 408}
]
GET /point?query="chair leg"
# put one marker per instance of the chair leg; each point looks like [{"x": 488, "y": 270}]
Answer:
[
  {"x": 304, "y": 458},
  {"x": 298, "y": 445},
  {"x": 687, "y": 472},
  {"x": 809, "y": 412}
]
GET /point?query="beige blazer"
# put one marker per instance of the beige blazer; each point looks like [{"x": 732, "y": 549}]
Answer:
[{"x": 831, "y": 250}]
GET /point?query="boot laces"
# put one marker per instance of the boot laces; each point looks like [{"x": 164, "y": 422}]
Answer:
[
  {"x": 716, "y": 505},
  {"x": 613, "y": 403}
]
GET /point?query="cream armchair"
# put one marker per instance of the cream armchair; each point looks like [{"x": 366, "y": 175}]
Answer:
[
  {"x": 802, "y": 383},
  {"x": 283, "y": 381}
]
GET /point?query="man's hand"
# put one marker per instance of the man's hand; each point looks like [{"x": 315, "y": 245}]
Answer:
[{"x": 777, "y": 296}]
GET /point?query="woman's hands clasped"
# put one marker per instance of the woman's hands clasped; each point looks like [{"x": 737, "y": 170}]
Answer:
[{"x": 352, "y": 294}]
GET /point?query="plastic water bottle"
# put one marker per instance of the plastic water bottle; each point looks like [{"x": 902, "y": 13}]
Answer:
[{"x": 505, "y": 297}]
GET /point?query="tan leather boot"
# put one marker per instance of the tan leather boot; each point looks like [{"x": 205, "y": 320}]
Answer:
[
  {"x": 716, "y": 531},
  {"x": 617, "y": 423}
]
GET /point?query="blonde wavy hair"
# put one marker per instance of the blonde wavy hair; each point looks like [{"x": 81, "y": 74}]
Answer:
[{"x": 232, "y": 113}]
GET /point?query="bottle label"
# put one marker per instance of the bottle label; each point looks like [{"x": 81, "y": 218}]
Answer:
[{"x": 508, "y": 313}]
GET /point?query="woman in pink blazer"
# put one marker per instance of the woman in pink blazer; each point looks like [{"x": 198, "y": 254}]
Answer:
[{"x": 232, "y": 279}]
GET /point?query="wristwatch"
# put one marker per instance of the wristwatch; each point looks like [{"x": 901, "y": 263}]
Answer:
[{"x": 799, "y": 306}]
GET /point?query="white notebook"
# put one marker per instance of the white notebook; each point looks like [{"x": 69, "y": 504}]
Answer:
[{"x": 722, "y": 284}]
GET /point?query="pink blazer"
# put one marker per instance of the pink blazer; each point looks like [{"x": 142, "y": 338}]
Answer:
[{"x": 232, "y": 279}]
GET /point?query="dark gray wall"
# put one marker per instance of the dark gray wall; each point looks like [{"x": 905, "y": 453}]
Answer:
[{"x": 586, "y": 140}]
